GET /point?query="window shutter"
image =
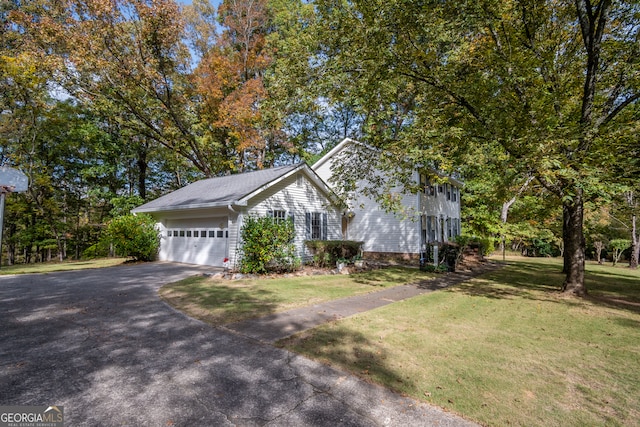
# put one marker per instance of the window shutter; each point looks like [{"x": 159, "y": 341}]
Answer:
[
  {"x": 307, "y": 225},
  {"x": 429, "y": 238},
  {"x": 292, "y": 218},
  {"x": 270, "y": 213},
  {"x": 324, "y": 227}
]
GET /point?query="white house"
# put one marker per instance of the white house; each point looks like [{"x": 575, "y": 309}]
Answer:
[
  {"x": 431, "y": 216},
  {"x": 201, "y": 223}
]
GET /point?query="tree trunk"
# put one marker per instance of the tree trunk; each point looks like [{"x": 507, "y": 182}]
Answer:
[
  {"x": 142, "y": 165},
  {"x": 574, "y": 245},
  {"x": 635, "y": 244},
  {"x": 565, "y": 226},
  {"x": 598, "y": 247}
]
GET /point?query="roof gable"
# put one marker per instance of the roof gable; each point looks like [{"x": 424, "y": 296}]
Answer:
[
  {"x": 331, "y": 153},
  {"x": 340, "y": 149}
]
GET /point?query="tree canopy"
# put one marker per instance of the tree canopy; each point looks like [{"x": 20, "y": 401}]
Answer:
[
  {"x": 534, "y": 104},
  {"x": 550, "y": 87}
]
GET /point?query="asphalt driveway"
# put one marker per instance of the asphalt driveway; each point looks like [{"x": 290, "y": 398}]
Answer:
[{"x": 102, "y": 344}]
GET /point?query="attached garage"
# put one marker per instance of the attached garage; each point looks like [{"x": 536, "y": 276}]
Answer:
[
  {"x": 196, "y": 240},
  {"x": 201, "y": 223}
]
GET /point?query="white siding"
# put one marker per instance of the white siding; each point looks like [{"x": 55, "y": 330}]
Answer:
[
  {"x": 389, "y": 232},
  {"x": 234, "y": 224},
  {"x": 385, "y": 231},
  {"x": 297, "y": 197}
]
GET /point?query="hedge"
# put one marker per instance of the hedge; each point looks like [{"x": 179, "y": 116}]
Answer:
[{"x": 327, "y": 252}]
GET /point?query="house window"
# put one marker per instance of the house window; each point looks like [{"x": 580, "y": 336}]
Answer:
[
  {"x": 454, "y": 194},
  {"x": 196, "y": 233},
  {"x": 316, "y": 224},
  {"x": 220, "y": 233},
  {"x": 181, "y": 233},
  {"x": 448, "y": 191},
  {"x": 440, "y": 188},
  {"x": 203, "y": 233},
  {"x": 212, "y": 233},
  {"x": 278, "y": 216},
  {"x": 188, "y": 233},
  {"x": 429, "y": 188}
]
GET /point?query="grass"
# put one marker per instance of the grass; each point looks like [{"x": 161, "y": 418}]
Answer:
[
  {"x": 50, "y": 267},
  {"x": 219, "y": 301},
  {"x": 503, "y": 349}
]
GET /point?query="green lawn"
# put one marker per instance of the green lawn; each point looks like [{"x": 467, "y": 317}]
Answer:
[
  {"x": 218, "y": 301},
  {"x": 504, "y": 349},
  {"x": 49, "y": 267}
]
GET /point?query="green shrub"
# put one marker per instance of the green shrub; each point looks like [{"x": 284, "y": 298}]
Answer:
[
  {"x": 485, "y": 245},
  {"x": 541, "y": 248},
  {"x": 98, "y": 250},
  {"x": 327, "y": 252},
  {"x": 267, "y": 246},
  {"x": 134, "y": 236}
]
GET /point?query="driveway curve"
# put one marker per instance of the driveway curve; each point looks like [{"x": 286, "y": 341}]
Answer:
[{"x": 102, "y": 344}]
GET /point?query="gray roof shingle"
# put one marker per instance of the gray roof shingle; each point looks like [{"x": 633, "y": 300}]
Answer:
[{"x": 220, "y": 191}]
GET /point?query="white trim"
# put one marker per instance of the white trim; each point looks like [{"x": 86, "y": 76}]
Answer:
[
  {"x": 333, "y": 151},
  {"x": 188, "y": 207}
]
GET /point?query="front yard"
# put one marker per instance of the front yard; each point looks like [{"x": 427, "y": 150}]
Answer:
[
  {"x": 503, "y": 349},
  {"x": 220, "y": 301}
]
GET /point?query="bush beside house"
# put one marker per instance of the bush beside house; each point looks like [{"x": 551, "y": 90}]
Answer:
[
  {"x": 268, "y": 246},
  {"x": 134, "y": 236}
]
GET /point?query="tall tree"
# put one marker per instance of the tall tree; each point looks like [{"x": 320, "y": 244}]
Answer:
[{"x": 548, "y": 82}]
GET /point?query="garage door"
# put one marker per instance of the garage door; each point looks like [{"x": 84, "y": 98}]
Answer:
[{"x": 196, "y": 241}]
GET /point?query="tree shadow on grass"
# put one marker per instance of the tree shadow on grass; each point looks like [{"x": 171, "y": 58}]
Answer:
[
  {"x": 522, "y": 280},
  {"x": 217, "y": 304},
  {"x": 383, "y": 276},
  {"x": 543, "y": 282},
  {"x": 352, "y": 351},
  {"x": 614, "y": 290}
]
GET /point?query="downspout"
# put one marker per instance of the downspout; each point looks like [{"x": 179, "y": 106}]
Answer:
[
  {"x": 232, "y": 265},
  {"x": 421, "y": 212}
]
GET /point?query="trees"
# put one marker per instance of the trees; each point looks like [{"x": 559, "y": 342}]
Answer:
[
  {"x": 132, "y": 60},
  {"x": 551, "y": 84}
]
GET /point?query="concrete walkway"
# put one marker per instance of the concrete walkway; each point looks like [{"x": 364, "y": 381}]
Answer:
[{"x": 274, "y": 327}]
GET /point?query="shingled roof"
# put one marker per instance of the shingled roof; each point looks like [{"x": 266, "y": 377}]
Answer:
[{"x": 220, "y": 191}]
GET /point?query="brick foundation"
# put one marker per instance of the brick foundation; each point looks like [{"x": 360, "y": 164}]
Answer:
[{"x": 391, "y": 257}]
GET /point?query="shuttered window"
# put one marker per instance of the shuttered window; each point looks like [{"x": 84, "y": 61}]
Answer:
[{"x": 316, "y": 225}]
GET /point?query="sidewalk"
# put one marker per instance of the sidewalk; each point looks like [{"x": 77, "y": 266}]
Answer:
[{"x": 274, "y": 327}]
